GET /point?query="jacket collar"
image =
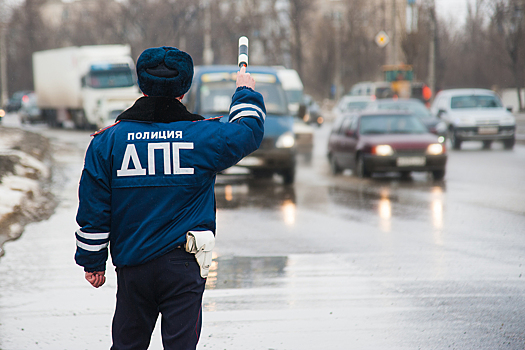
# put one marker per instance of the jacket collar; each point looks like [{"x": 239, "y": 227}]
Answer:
[{"x": 158, "y": 109}]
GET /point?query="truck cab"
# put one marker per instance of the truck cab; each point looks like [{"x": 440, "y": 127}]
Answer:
[
  {"x": 210, "y": 96},
  {"x": 86, "y": 86}
]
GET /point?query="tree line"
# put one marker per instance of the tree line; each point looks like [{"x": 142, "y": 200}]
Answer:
[{"x": 486, "y": 51}]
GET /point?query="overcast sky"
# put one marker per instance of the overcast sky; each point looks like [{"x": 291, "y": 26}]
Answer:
[{"x": 452, "y": 8}]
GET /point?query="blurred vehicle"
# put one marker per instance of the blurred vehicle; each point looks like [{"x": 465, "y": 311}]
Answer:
[
  {"x": 417, "y": 108},
  {"x": 378, "y": 89},
  {"x": 384, "y": 141},
  {"x": 210, "y": 96},
  {"x": 304, "y": 138},
  {"x": 422, "y": 92},
  {"x": 348, "y": 104},
  {"x": 401, "y": 78},
  {"x": 310, "y": 111},
  {"x": 475, "y": 114},
  {"x": 29, "y": 111},
  {"x": 15, "y": 102},
  {"x": 292, "y": 86},
  {"x": 86, "y": 85}
]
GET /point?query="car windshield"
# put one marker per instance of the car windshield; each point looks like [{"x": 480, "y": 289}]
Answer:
[
  {"x": 111, "y": 78},
  {"x": 354, "y": 105},
  {"x": 473, "y": 101},
  {"x": 294, "y": 96},
  {"x": 215, "y": 97},
  {"x": 382, "y": 92},
  {"x": 391, "y": 124},
  {"x": 417, "y": 109}
]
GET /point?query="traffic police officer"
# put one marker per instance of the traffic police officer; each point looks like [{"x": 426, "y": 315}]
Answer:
[{"x": 147, "y": 185}]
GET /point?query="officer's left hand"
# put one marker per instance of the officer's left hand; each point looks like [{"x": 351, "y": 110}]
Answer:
[
  {"x": 245, "y": 79},
  {"x": 96, "y": 278}
]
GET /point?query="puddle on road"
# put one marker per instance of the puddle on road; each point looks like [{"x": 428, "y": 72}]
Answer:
[
  {"x": 387, "y": 201},
  {"x": 248, "y": 194},
  {"x": 384, "y": 198},
  {"x": 246, "y": 272}
]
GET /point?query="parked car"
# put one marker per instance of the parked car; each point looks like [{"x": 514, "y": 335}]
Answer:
[
  {"x": 349, "y": 104},
  {"x": 378, "y": 89},
  {"x": 210, "y": 96},
  {"x": 385, "y": 141},
  {"x": 29, "y": 111},
  {"x": 417, "y": 108},
  {"x": 475, "y": 114},
  {"x": 15, "y": 102}
]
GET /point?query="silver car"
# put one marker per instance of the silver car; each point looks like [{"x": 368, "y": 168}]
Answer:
[{"x": 475, "y": 115}]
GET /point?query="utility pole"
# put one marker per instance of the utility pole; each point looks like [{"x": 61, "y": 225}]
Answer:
[
  {"x": 394, "y": 34},
  {"x": 336, "y": 10},
  {"x": 432, "y": 49},
  {"x": 207, "y": 55},
  {"x": 3, "y": 65}
]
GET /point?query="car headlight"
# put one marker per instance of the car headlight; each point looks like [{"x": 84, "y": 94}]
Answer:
[
  {"x": 435, "y": 149},
  {"x": 2, "y": 113},
  {"x": 286, "y": 140},
  {"x": 508, "y": 120},
  {"x": 383, "y": 150},
  {"x": 441, "y": 127}
]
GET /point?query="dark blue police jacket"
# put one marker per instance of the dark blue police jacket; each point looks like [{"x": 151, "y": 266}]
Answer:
[{"x": 150, "y": 178}]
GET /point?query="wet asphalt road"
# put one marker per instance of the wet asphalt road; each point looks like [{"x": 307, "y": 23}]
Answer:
[{"x": 328, "y": 263}]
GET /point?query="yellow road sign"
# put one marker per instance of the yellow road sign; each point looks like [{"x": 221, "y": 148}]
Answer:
[{"x": 382, "y": 39}]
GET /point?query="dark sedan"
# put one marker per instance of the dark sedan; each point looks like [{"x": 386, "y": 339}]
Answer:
[
  {"x": 387, "y": 141},
  {"x": 416, "y": 107}
]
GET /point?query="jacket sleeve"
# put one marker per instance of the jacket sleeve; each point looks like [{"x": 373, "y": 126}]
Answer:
[
  {"x": 244, "y": 132},
  {"x": 94, "y": 212}
]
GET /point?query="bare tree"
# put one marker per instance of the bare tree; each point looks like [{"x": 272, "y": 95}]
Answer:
[
  {"x": 509, "y": 20},
  {"x": 300, "y": 17},
  {"x": 26, "y": 34}
]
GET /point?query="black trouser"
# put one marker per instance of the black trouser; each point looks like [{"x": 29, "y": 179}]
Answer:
[{"x": 171, "y": 285}]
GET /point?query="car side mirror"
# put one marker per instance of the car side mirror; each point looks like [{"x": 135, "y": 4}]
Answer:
[
  {"x": 302, "y": 111},
  {"x": 350, "y": 133},
  {"x": 441, "y": 112},
  {"x": 509, "y": 108}
]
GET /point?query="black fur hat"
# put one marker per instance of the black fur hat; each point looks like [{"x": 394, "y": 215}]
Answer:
[{"x": 164, "y": 71}]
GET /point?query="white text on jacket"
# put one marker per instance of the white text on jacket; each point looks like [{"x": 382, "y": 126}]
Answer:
[{"x": 131, "y": 156}]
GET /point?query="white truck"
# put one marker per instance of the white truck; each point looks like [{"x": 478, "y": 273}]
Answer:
[
  {"x": 294, "y": 89},
  {"x": 87, "y": 86},
  {"x": 292, "y": 86}
]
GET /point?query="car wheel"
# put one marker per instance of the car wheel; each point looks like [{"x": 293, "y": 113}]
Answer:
[
  {"x": 289, "y": 176},
  {"x": 487, "y": 144},
  {"x": 456, "y": 143},
  {"x": 361, "y": 170},
  {"x": 509, "y": 144},
  {"x": 438, "y": 174},
  {"x": 334, "y": 167}
]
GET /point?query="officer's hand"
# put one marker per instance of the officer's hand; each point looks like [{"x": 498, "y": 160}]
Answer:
[
  {"x": 96, "y": 278},
  {"x": 245, "y": 79}
]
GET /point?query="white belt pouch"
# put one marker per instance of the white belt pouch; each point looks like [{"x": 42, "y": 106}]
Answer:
[{"x": 201, "y": 243}]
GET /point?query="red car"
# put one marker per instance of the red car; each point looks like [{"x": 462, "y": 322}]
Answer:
[{"x": 385, "y": 141}]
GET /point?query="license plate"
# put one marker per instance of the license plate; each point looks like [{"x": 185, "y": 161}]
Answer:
[
  {"x": 411, "y": 161},
  {"x": 487, "y": 130}
]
